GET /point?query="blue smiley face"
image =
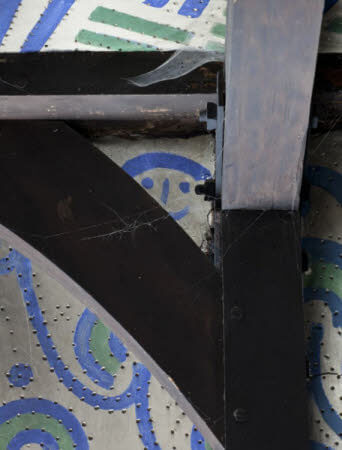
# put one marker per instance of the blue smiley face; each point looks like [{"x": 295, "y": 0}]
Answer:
[{"x": 169, "y": 178}]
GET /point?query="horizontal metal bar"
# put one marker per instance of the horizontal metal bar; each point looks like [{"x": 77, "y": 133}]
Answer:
[{"x": 104, "y": 107}]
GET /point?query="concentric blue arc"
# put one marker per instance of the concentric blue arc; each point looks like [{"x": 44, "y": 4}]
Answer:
[
  {"x": 42, "y": 406},
  {"x": 135, "y": 394}
]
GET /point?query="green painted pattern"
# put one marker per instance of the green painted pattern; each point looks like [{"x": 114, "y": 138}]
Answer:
[
  {"x": 324, "y": 276},
  {"x": 35, "y": 422},
  {"x": 219, "y": 30},
  {"x": 213, "y": 46},
  {"x": 100, "y": 348},
  {"x": 110, "y": 42},
  {"x": 139, "y": 25},
  {"x": 207, "y": 446},
  {"x": 335, "y": 25}
]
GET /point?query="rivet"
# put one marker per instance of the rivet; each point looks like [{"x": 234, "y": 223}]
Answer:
[{"x": 240, "y": 415}]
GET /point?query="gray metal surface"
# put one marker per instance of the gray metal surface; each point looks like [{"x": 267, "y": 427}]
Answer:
[
  {"x": 104, "y": 107},
  {"x": 270, "y": 63}
]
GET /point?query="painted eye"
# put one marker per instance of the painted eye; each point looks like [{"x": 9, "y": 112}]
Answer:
[
  {"x": 184, "y": 186},
  {"x": 147, "y": 183}
]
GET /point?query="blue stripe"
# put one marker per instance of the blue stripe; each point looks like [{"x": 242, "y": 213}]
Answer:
[
  {"x": 148, "y": 161},
  {"x": 7, "y": 10},
  {"x": 117, "y": 348},
  {"x": 42, "y": 438},
  {"x": 86, "y": 359},
  {"x": 328, "y": 251},
  {"x": 197, "y": 440},
  {"x": 46, "y": 25},
  {"x": 180, "y": 214},
  {"x": 165, "y": 191},
  {"x": 333, "y": 302},
  {"x": 330, "y": 416},
  {"x": 135, "y": 394},
  {"x": 42, "y": 406},
  {"x": 156, "y": 3},
  {"x": 193, "y": 8}
]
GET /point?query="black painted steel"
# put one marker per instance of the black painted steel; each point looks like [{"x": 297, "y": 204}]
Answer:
[
  {"x": 264, "y": 331},
  {"x": 97, "y": 224}
]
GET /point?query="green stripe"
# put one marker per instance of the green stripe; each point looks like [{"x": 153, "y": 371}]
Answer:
[
  {"x": 324, "y": 276},
  {"x": 35, "y": 422},
  {"x": 219, "y": 30},
  {"x": 335, "y": 25},
  {"x": 100, "y": 348},
  {"x": 110, "y": 42},
  {"x": 213, "y": 46},
  {"x": 128, "y": 22}
]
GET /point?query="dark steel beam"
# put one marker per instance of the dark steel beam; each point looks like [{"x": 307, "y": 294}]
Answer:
[{"x": 264, "y": 331}]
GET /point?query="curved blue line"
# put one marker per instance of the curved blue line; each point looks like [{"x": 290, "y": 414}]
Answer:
[
  {"x": 180, "y": 214},
  {"x": 148, "y": 161},
  {"x": 42, "y": 406},
  {"x": 325, "y": 178},
  {"x": 117, "y": 348},
  {"x": 165, "y": 191},
  {"x": 135, "y": 394},
  {"x": 44, "y": 439},
  {"x": 315, "y": 385},
  {"x": 333, "y": 301},
  {"x": 318, "y": 446},
  {"x": 7, "y": 10},
  {"x": 46, "y": 25},
  {"x": 197, "y": 440},
  {"x": 193, "y": 8},
  {"x": 86, "y": 359},
  {"x": 327, "y": 250}
]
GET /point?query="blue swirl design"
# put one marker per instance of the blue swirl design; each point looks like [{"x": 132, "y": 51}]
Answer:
[
  {"x": 137, "y": 392},
  {"x": 45, "y": 440},
  {"x": 328, "y": 252},
  {"x": 86, "y": 359},
  {"x": 42, "y": 406}
]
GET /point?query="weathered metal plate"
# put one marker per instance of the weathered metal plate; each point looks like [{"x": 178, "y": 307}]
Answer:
[
  {"x": 265, "y": 363},
  {"x": 270, "y": 64},
  {"x": 71, "y": 377},
  {"x": 97, "y": 224},
  {"x": 323, "y": 288},
  {"x": 42, "y": 25}
]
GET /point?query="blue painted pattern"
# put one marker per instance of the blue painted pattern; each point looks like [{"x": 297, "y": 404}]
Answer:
[
  {"x": 197, "y": 440},
  {"x": 7, "y": 11},
  {"x": 46, "y": 25},
  {"x": 42, "y": 406},
  {"x": 322, "y": 250},
  {"x": 20, "y": 375},
  {"x": 135, "y": 394},
  {"x": 85, "y": 358},
  {"x": 42, "y": 438},
  {"x": 315, "y": 386},
  {"x": 169, "y": 161},
  {"x": 190, "y": 8}
]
